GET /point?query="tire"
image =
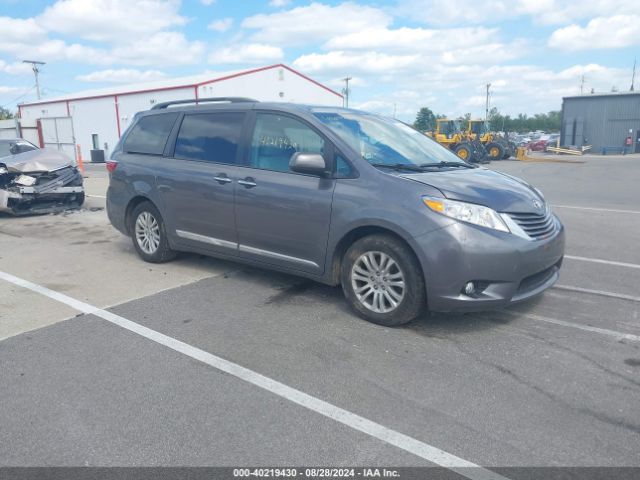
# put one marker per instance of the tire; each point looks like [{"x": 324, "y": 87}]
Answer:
[
  {"x": 401, "y": 263},
  {"x": 495, "y": 150},
  {"x": 148, "y": 215},
  {"x": 464, "y": 152}
]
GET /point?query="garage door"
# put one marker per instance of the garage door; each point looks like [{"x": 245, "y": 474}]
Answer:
[{"x": 57, "y": 132}]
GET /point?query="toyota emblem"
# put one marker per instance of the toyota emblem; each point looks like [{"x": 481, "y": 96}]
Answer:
[{"x": 537, "y": 204}]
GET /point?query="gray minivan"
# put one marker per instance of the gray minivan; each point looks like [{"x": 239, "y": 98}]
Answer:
[{"x": 336, "y": 195}]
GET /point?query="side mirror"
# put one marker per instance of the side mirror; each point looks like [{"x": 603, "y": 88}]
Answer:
[{"x": 309, "y": 163}]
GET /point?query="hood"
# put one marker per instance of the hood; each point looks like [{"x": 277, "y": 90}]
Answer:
[
  {"x": 45, "y": 160},
  {"x": 499, "y": 191}
]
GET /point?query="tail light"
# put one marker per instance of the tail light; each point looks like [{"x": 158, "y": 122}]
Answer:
[{"x": 111, "y": 165}]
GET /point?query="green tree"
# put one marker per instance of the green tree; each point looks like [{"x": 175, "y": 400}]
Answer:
[
  {"x": 5, "y": 114},
  {"x": 549, "y": 122},
  {"x": 425, "y": 120}
]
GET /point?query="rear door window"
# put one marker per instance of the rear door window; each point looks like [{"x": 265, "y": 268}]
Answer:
[
  {"x": 149, "y": 135},
  {"x": 210, "y": 137}
]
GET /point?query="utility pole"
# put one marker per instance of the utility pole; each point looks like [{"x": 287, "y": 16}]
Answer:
[
  {"x": 34, "y": 66},
  {"x": 486, "y": 108},
  {"x": 633, "y": 75},
  {"x": 345, "y": 91}
]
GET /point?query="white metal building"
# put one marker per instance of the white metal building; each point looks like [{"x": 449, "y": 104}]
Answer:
[{"x": 95, "y": 119}]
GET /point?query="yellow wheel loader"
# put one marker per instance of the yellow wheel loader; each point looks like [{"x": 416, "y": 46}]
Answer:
[
  {"x": 449, "y": 134},
  {"x": 497, "y": 146}
]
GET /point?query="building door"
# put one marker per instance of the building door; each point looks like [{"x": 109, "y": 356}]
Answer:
[
  {"x": 637, "y": 141},
  {"x": 57, "y": 132},
  {"x": 568, "y": 137},
  {"x": 578, "y": 132}
]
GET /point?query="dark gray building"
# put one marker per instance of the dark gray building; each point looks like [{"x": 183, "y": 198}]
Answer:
[{"x": 602, "y": 120}]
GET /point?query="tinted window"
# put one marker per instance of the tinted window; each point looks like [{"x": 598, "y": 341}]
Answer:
[
  {"x": 149, "y": 134},
  {"x": 212, "y": 137},
  {"x": 276, "y": 138}
]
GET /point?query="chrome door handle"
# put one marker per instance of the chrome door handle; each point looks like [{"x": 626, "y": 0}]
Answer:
[
  {"x": 222, "y": 179},
  {"x": 247, "y": 182}
]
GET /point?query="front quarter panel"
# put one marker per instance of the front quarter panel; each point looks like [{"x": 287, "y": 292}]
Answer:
[{"x": 376, "y": 199}]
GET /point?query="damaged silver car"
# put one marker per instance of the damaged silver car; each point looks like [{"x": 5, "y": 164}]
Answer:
[{"x": 36, "y": 181}]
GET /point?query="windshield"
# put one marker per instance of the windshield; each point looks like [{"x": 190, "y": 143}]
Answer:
[
  {"x": 382, "y": 140},
  {"x": 13, "y": 148}
]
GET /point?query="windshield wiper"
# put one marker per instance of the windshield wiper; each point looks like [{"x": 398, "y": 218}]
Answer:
[
  {"x": 399, "y": 166},
  {"x": 447, "y": 164}
]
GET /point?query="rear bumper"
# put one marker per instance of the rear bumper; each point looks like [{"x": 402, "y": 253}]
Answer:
[{"x": 507, "y": 268}]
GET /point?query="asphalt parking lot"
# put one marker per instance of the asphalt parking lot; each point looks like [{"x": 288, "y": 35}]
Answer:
[{"x": 144, "y": 369}]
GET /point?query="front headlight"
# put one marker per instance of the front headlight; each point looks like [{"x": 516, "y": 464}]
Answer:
[{"x": 467, "y": 212}]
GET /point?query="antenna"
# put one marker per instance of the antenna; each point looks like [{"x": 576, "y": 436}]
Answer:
[
  {"x": 34, "y": 66},
  {"x": 345, "y": 90},
  {"x": 633, "y": 75},
  {"x": 582, "y": 85}
]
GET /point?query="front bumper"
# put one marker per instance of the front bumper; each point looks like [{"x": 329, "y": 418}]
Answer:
[{"x": 507, "y": 268}]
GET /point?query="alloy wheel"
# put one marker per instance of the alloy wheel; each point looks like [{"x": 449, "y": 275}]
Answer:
[
  {"x": 378, "y": 282},
  {"x": 147, "y": 233}
]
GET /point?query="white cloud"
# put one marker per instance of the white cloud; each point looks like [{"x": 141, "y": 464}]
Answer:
[
  {"x": 159, "y": 49},
  {"x": 207, "y": 2},
  {"x": 15, "y": 68},
  {"x": 603, "y": 32},
  {"x": 279, "y": 3},
  {"x": 221, "y": 25},
  {"x": 470, "y": 12},
  {"x": 366, "y": 63},
  {"x": 247, "y": 54},
  {"x": 122, "y": 75},
  {"x": 6, "y": 90},
  {"x": 21, "y": 30},
  {"x": 314, "y": 23},
  {"x": 111, "y": 20},
  {"x": 54, "y": 50},
  {"x": 412, "y": 39}
]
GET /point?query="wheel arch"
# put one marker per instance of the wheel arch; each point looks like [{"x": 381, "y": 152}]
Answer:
[
  {"x": 356, "y": 234},
  {"x": 133, "y": 203}
]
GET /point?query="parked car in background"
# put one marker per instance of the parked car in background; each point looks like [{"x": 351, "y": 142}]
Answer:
[
  {"x": 37, "y": 181},
  {"x": 552, "y": 141},
  {"x": 539, "y": 144},
  {"x": 336, "y": 195},
  {"x": 13, "y": 146}
]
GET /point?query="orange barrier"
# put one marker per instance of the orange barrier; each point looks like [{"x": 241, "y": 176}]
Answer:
[{"x": 79, "y": 160}]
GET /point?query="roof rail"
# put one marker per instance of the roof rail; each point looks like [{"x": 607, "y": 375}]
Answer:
[{"x": 204, "y": 100}]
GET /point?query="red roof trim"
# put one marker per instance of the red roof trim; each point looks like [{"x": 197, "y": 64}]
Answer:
[{"x": 175, "y": 87}]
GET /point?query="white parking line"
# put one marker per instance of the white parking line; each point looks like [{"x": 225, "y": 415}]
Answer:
[
  {"x": 587, "y": 328},
  {"x": 602, "y": 293},
  {"x": 96, "y": 196},
  {"x": 605, "y": 262},
  {"x": 614, "y": 210},
  {"x": 352, "y": 420}
]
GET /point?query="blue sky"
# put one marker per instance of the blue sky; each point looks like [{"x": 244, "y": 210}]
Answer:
[{"x": 402, "y": 55}]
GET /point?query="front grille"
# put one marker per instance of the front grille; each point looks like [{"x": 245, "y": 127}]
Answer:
[{"x": 537, "y": 226}]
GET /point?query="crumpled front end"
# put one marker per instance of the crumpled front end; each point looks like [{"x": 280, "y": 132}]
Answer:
[{"x": 40, "y": 181}]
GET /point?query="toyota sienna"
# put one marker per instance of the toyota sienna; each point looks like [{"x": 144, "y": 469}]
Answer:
[{"x": 336, "y": 195}]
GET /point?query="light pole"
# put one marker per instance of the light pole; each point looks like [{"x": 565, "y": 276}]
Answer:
[
  {"x": 346, "y": 91},
  {"x": 34, "y": 66},
  {"x": 486, "y": 107}
]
